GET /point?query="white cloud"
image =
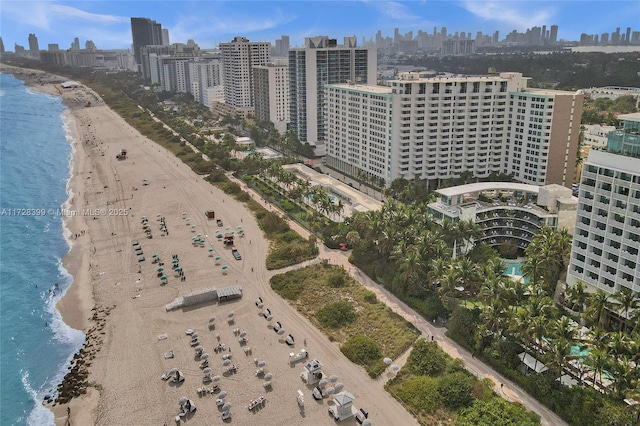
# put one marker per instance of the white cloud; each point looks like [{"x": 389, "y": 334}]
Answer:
[
  {"x": 228, "y": 24},
  {"x": 48, "y": 15},
  {"x": 519, "y": 15},
  {"x": 400, "y": 14}
]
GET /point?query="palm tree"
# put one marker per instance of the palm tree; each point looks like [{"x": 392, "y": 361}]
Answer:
[
  {"x": 597, "y": 360},
  {"x": 576, "y": 296},
  {"x": 559, "y": 355},
  {"x": 597, "y": 305},
  {"x": 352, "y": 238},
  {"x": 628, "y": 302}
]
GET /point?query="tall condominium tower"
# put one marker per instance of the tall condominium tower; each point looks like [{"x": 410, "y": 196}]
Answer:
[
  {"x": 436, "y": 129},
  {"x": 271, "y": 93},
  {"x": 543, "y": 133},
  {"x": 144, "y": 32},
  {"x": 604, "y": 253},
  {"x": 322, "y": 61},
  {"x": 34, "y": 49},
  {"x": 239, "y": 57}
]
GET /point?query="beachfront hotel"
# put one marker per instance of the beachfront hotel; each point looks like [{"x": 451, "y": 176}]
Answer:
[
  {"x": 437, "y": 128},
  {"x": 604, "y": 253},
  {"x": 507, "y": 212},
  {"x": 239, "y": 56},
  {"x": 144, "y": 32},
  {"x": 322, "y": 61}
]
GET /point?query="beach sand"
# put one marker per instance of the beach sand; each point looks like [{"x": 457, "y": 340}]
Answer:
[{"x": 120, "y": 304}]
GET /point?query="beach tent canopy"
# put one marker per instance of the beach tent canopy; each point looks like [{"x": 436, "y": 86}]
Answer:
[{"x": 532, "y": 363}]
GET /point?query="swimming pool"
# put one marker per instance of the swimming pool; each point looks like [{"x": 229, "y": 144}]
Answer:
[{"x": 514, "y": 268}]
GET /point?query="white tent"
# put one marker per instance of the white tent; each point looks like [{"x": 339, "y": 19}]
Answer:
[{"x": 532, "y": 363}]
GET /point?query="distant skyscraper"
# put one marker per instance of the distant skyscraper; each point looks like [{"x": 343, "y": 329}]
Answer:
[
  {"x": 165, "y": 37},
  {"x": 322, "y": 62},
  {"x": 1, "y": 46},
  {"x": 282, "y": 46},
  {"x": 627, "y": 38},
  {"x": 76, "y": 44},
  {"x": 144, "y": 32},
  {"x": 239, "y": 57},
  {"x": 553, "y": 34},
  {"x": 34, "y": 50}
]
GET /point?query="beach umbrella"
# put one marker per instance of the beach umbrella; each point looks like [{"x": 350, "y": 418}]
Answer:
[
  {"x": 339, "y": 386},
  {"x": 224, "y": 267},
  {"x": 163, "y": 277},
  {"x": 230, "y": 314},
  {"x": 226, "y": 228},
  {"x": 217, "y": 258},
  {"x": 240, "y": 231},
  {"x": 388, "y": 361},
  {"x": 226, "y": 362},
  {"x": 216, "y": 379},
  {"x": 226, "y": 406},
  {"x": 198, "y": 235},
  {"x": 268, "y": 376},
  {"x": 184, "y": 213},
  {"x": 206, "y": 370},
  {"x": 188, "y": 219},
  {"x": 322, "y": 383},
  {"x": 261, "y": 364},
  {"x": 175, "y": 261},
  {"x": 333, "y": 378},
  {"x": 239, "y": 227},
  {"x": 154, "y": 255},
  {"x": 222, "y": 395},
  {"x": 160, "y": 268},
  {"x": 210, "y": 249},
  {"x": 177, "y": 269},
  {"x": 330, "y": 391},
  {"x": 243, "y": 333},
  {"x": 212, "y": 319},
  {"x": 204, "y": 356},
  {"x": 395, "y": 367},
  {"x": 198, "y": 349}
]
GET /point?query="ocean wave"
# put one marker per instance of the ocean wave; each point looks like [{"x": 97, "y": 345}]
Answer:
[{"x": 40, "y": 415}]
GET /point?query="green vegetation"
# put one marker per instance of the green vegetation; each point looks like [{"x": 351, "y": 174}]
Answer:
[
  {"x": 437, "y": 390},
  {"x": 310, "y": 292},
  {"x": 336, "y": 314},
  {"x": 603, "y": 110}
]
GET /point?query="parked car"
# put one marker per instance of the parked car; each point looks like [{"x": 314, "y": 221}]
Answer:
[{"x": 236, "y": 254}]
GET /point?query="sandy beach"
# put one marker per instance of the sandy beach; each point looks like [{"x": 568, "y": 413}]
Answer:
[{"x": 119, "y": 302}]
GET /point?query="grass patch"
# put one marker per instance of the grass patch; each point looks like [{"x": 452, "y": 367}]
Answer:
[{"x": 309, "y": 289}]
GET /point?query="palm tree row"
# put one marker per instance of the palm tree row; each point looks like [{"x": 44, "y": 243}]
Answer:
[
  {"x": 545, "y": 258},
  {"x": 298, "y": 189}
]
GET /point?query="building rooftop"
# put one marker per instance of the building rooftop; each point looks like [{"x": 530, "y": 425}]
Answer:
[
  {"x": 369, "y": 88},
  {"x": 488, "y": 186},
  {"x": 630, "y": 117}
]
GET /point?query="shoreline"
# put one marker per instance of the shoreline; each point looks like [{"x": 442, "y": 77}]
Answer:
[
  {"x": 129, "y": 331},
  {"x": 78, "y": 301}
]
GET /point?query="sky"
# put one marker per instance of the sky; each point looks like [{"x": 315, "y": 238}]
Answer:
[{"x": 209, "y": 22}]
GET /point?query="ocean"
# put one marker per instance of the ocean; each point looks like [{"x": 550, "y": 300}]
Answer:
[{"x": 36, "y": 346}]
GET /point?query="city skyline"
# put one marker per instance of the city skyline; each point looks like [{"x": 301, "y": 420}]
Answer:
[{"x": 208, "y": 23}]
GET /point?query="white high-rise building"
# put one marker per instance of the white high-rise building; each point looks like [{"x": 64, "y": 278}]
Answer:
[
  {"x": 239, "y": 57},
  {"x": 605, "y": 252},
  {"x": 322, "y": 61},
  {"x": 271, "y": 93},
  {"x": 204, "y": 73},
  {"x": 438, "y": 128}
]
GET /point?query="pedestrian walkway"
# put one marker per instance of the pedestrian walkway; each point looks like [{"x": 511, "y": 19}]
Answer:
[{"x": 502, "y": 386}]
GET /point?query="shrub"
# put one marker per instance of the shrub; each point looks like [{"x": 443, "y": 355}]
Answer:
[
  {"x": 361, "y": 350},
  {"x": 427, "y": 359},
  {"x": 455, "y": 389},
  {"x": 370, "y": 297},
  {"x": 336, "y": 280},
  {"x": 421, "y": 394},
  {"x": 336, "y": 314},
  {"x": 287, "y": 286},
  {"x": 495, "y": 411}
]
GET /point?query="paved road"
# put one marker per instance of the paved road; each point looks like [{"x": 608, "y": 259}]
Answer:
[{"x": 507, "y": 389}]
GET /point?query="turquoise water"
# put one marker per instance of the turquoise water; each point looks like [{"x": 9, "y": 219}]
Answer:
[
  {"x": 513, "y": 268},
  {"x": 575, "y": 350},
  {"x": 35, "y": 345},
  {"x": 248, "y": 151}
]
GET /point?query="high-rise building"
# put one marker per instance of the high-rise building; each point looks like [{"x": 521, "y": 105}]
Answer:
[
  {"x": 436, "y": 129},
  {"x": 543, "y": 135},
  {"x": 1, "y": 46},
  {"x": 604, "y": 253},
  {"x": 322, "y": 61},
  {"x": 165, "y": 37},
  {"x": 282, "y": 46},
  {"x": 34, "y": 49},
  {"x": 144, "y": 32},
  {"x": 239, "y": 57},
  {"x": 204, "y": 73},
  {"x": 553, "y": 34},
  {"x": 271, "y": 93}
]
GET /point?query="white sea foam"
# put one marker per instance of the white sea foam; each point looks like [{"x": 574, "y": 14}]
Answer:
[{"x": 40, "y": 415}]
